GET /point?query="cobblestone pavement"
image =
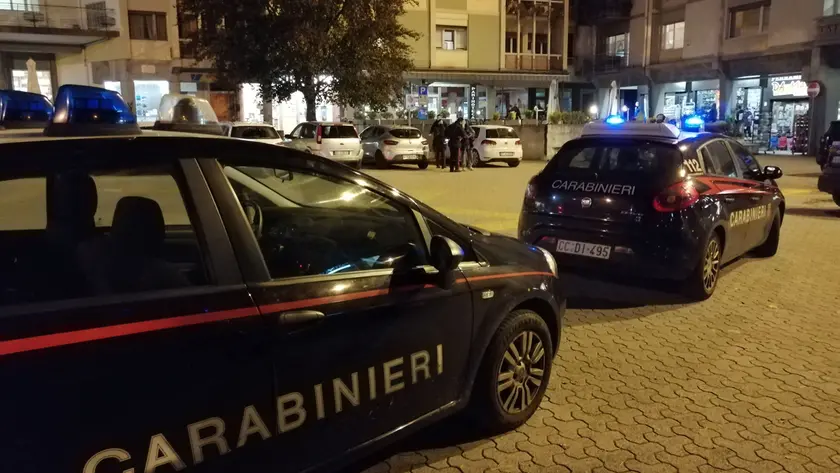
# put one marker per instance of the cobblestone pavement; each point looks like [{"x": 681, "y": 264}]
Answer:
[{"x": 748, "y": 381}]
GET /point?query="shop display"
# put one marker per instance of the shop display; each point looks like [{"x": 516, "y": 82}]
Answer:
[
  {"x": 802, "y": 130},
  {"x": 785, "y": 117}
]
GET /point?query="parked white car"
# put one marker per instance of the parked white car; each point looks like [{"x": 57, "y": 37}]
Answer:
[
  {"x": 496, "y": 143},
  {"x": 254, "y": 132},
  {"x": 386, "y": 145},
  {"x": 337, "y": 141}
]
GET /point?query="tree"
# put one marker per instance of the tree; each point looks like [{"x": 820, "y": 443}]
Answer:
[{"x": 348, "y": 52}]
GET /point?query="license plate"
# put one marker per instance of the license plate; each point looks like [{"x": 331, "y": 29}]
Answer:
[
  {"x": 835, "y": 160},
  {"x": 505, "y": 154},
  {"x": 583, "y": 249},
  {"x": 341, "y": 153}
]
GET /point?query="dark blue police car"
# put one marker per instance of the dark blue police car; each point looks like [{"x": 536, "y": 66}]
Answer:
[
  {"x": 647, "y": 199},
  {"x": 174, "y": 301}
]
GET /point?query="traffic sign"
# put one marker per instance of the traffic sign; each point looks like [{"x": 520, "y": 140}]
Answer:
[
  {"x": 813, "y": 89},
  {"x": 423, "y": 90}
]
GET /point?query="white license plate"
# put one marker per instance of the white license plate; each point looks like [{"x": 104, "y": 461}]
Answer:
[
  {"x": 583, "y": 249},
  {"x": 341, "y": 153},
  {"x": 505, "y": 154},
  {"x": 835, "y": 160}
]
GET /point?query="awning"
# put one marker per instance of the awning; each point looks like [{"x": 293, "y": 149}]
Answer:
[{"x": 491, "y": 78}]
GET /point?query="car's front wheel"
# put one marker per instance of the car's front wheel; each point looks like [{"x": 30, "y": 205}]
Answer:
[{"x": 514, "y": 373}]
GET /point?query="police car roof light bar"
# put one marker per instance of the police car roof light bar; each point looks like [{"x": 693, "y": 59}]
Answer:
[
  {"x": 632, "y": 129},
  {"x": 82, "y": 110},
  {"x": 24, "y": 110},
  {"x": 187, "y": 113},
  {"x": 614, "y": 120}
]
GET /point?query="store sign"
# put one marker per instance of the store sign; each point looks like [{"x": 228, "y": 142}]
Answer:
[
  {"x": 788, "y": 86},
  {"x": 473, "y": 101}
]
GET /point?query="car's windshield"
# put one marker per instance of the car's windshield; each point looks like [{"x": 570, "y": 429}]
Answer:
[{"x": 255, "y": 132}]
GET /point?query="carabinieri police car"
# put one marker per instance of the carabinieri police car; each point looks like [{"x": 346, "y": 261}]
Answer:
[
  {"x": 647, "y": 199},
  {"x": 173, "y": 301}
]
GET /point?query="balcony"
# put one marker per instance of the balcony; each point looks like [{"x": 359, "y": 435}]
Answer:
[
  {"x": 534, "y": 62},
  {"x": 596, "y": 12},
  {"x": 602, "y": 64},
  {"x": 828, "y": 30},
  {"x": 57, "y": 24}
]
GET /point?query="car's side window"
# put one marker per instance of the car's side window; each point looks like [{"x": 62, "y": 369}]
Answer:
[
  {"x": 312, "y": 224},
  {"x": 438, "y": 229},
  {"x": 745, "y": 161},
  {"x": 296, "y": 132},
  {"x": 366, "y": 134},
  {"x": 719, "y": 160},
  {"x": 92, "y": 232},
  {"x": 308, "y": 131},
  {"x": 583, "y": 160}
]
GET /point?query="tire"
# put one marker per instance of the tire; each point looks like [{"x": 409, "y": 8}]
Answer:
[
  {"x": 381, "y": 162},
  {"x": 836, "y": 198},
  {"x": 697, "y": 286},
  {"x": 476, "y": 158},
  {"x": 423, "y": 164},
  {"x": 488, "y": 404},
  {"x": 357, "y": 164},
  {"x": 513, "y": 164},
  {"x": 771, "y": 244}
]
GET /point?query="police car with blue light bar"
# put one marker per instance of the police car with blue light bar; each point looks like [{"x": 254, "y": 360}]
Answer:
[
  {"x": 175, "y": 300},
  {"x": 652, "y": 200}
]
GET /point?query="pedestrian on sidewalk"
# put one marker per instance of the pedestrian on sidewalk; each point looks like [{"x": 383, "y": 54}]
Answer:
[
  {"x": 455, "y": 133},
  {"x": 438, "y": 133},
  {"x": 467, "y": 145}
]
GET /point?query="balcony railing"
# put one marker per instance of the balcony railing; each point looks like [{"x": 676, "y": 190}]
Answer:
[
  {"x": 534, "y": 62},
  {"x": 602, "y": 64},
  {"x": 828, "y": 30},
  {"x": 593, "y": 12},
  {"x": 93, "y": 17}
]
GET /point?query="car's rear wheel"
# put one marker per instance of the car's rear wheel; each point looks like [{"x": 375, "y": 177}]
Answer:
[
  {"x": 836, "y": 198},
  {"x": 423, "y": 164},
  {"x": 381, "y": 162},
  {"x": 513, "y": 163},
  {"x": 771, "y": 244},
  {"x": 514, "y": 373},
  {"x": 703, "y": 280},
  {"x": 476, "y": 158}
]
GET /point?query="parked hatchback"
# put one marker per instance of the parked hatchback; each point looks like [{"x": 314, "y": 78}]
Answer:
[
  {"x": 494, "y": 143},
  {"x": 387, "y": 145},
  {"x": 261, "y": 132},
  {"x": 336, "y": 141}
]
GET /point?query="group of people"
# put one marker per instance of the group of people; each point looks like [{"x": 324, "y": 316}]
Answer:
[{"x": 461, "y": 137}]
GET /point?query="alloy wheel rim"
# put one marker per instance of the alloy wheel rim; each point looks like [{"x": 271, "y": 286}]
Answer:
[
  {"x": 521, "y": 372},
  {"x": 711, "y": 265},
  {"x": 475, "y": 158}
]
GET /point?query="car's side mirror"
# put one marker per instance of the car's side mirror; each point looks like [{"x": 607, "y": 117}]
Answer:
[
  {"x": 283, "y": 175},
  {"x": 446, "y": 255},
  {"x": 772, "y": 172}
]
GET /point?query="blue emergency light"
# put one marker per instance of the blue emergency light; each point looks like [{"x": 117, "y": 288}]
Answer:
[
  {"x": 82, "y": 110},
  {"x": 614, "y": 120},
  {"x": 694, "y": 121},
  {"x": 24, "y": 110}
]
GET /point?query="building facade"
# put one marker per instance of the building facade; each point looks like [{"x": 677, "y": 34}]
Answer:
[
  {"x": 747, "y": 59},
  {"x": 475, "y": 58}
]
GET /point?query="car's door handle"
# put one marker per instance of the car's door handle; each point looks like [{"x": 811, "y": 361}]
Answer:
[
  {"x": 729, "y": 199},
  {"x": 755, "y": 198},
  {"x": 297, "y": 317}
]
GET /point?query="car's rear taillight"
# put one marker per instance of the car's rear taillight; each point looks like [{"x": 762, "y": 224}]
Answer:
[
  {"x": 529, "y": 203},
  {"x": 488, "y": 142},
  {"x": 681, "y": 195},
  {"x": 318, "y": 134},
  {"x": 518, "y": 142},
  {"x": 391, "y": 142}
]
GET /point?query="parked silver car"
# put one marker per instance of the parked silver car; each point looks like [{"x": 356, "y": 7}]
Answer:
[
  {"x": 386, "y": 145},
  {"x": 254, "y": 132}
]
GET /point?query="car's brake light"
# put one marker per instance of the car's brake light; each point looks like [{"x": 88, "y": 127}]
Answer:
[
  {"x": 681, "y": 195},
  {"x": 318, "y": 134},
  {"x": 488, "y": 142},
  {"x": 391, "y": 142},
  {"x": 518, "y": 142},
  {"x": 529, "y": 203}
]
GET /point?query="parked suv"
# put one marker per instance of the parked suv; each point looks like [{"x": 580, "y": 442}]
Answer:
[
  {"x": 336, "y": 141},
  {"x": 830, "y": 136}
]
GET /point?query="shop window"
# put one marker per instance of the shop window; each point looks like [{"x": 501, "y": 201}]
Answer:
[
  {"x": 147, "y": 25},
  {"x": 617, "y": 45},
  {"x": 147, "y": 96},
  {"x": 749, "y": 20},
  {"x": 673, "y": 35},
  {"x": 20, "y": 81}
]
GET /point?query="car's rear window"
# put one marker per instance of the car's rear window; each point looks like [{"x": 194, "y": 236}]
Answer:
[
  {"x": 619, "y": 156},
  {"x": 409, "y": 133},
  {"x": 338, "y": 131},
  {"x": 254, "y": 132},
  {"x": 501, "y": 133}
]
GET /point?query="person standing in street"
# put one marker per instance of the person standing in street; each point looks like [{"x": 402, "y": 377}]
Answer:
[
  {"x": 455, "y": 134},
  {"x": 438, "y": 132},
  {"x": 467, "y": 145}
]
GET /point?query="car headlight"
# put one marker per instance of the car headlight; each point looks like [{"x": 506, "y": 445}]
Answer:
[{"x": 549, "y": 258}]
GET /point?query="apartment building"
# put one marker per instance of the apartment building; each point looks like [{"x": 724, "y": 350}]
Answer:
[
  {"x": 475, "y": 58},
  {"x": 719, "y": 58}
]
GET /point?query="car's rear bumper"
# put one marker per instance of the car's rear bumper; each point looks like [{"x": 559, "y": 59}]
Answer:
[
  {"x": 406, "y": 156},
  {"x": 353, "y": 157},
  {"x": 665, "y": 254},
  {"x": 501, "y": 155},
  {"x": 829, "y": 181}
]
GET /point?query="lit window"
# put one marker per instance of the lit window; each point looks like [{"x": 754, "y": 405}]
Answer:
[
  {"x": 673, "y": 35},
  {"x": 617, "y": 45}
]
